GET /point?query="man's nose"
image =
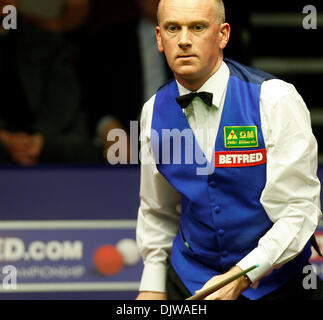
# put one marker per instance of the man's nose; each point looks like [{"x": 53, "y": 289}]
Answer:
[{"x": 184, "y": 39}]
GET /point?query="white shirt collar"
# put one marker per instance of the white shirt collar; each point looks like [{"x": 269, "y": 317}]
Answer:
[{"x": 216, "y": 84}]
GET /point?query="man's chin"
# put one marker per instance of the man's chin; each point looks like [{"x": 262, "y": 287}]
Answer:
[{"x": 187, "y": 72}]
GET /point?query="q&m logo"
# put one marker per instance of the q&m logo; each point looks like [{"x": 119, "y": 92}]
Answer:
[
  {"x": 229, "y": 159},
  {"x": 14, "y": 249},
  {"x": 241, "y": 137}
]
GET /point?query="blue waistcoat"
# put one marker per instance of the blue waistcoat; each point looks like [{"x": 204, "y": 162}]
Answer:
[{"x": 222, "y": 218}]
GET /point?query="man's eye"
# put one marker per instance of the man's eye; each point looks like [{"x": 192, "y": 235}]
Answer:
[
  {"x": 198, "y": 27},
  {"x": 172, "y": 28}
]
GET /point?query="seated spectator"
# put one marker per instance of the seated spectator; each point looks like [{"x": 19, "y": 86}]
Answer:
[
  {"x": 120, "y": 58},
  {"x": 41, "y": 120}
]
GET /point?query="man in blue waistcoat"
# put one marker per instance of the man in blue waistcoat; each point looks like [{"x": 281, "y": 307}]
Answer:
[{"x": 231, "y": 180}]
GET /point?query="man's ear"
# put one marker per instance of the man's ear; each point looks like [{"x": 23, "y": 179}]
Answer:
[
  {"x": 225, "y": 31},
  {"x": 159, "y": 41}
]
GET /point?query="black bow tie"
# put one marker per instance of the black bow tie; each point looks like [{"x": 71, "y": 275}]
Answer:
[{"x": 186, "y": 99}]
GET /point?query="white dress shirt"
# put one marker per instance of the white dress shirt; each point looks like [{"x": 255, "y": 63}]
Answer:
[{"x": 291, "y": 197}]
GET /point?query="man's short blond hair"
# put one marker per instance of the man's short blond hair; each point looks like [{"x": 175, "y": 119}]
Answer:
[{"x": 219, "y": 6}]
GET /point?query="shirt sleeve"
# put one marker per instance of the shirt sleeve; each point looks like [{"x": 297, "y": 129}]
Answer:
[
  {"x": 158, "y": 214},
  {"x": 291, "y": 197}
]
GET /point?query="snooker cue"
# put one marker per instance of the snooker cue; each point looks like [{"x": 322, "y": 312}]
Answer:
[{"x": 204, "y": 293}]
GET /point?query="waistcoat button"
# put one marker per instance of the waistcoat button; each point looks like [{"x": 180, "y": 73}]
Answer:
[
  {"x": 212, "y": 184},
  {"x": 224, "y": 254},
  {"x": 217, "y": 209}
]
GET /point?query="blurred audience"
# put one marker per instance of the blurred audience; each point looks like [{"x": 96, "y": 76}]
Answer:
[
  {"x": 50, "y": 114},
  {"x": 41, "y": 120},
  {"x": 121, "y": 66}
]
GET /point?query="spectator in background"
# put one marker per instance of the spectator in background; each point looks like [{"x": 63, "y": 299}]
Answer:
[
  {"x": 121, "y": 44},
  {"x": 41, "y": 120},
  {"x": 155, "y": 71}
]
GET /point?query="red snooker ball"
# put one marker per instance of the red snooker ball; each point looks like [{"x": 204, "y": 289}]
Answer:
[{"x": 108, "y": 260}]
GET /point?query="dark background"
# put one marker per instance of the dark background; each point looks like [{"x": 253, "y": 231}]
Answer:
[{"x": 103, "y": 53}]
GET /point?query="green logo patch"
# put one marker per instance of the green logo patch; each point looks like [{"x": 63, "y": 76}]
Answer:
[{"x": 241, "y": 137}]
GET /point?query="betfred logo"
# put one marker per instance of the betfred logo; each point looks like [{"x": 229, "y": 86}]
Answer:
[
  {"x": 14, "y": 249},
  {"x": 230, "y": 159}
]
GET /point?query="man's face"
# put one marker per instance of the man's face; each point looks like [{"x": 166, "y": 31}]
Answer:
[{"x": 191, "y": 38}]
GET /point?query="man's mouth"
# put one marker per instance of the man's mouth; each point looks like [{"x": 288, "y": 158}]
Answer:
[{"x": 186, "y": 56}]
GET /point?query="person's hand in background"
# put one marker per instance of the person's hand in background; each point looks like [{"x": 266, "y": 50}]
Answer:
[
  {"x": 112, "y": 127},
  {"x": 23, "y": 148}
]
